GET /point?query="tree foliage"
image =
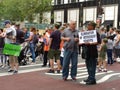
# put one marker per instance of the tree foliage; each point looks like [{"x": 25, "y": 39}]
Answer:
[{"x": 18, "y": 10}]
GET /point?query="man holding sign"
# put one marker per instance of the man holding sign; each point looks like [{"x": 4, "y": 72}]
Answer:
[
  {"x": 10, "y": 39},
  {"x": 90, "y": 39}
]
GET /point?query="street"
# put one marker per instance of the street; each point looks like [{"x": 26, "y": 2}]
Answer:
[{"x": 34, "y": 77}]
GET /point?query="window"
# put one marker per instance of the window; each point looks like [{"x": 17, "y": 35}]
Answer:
[
  {"x": 58, "y": 2},
  {"x": 65, "y": 1}
]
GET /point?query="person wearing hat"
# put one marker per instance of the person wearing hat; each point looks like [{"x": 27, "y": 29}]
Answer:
[
  {"x": 91, "y": 56},
  {"x": 10, "y": 38},
  {"x": 10, "y": 32}
]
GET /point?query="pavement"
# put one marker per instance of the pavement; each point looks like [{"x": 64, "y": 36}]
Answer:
[{"x": 34, "y": 77}]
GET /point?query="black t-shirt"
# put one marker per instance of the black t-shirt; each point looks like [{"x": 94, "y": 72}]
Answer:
[
  {"x": 2, "y": 42},
  {"x": 20, "y": 36},
  {"x": 56, "y": 39},
  {"x": 92, "y": 51}
]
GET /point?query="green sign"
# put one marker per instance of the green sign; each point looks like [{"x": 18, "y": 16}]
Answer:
[{"x": 11, "y": 49}]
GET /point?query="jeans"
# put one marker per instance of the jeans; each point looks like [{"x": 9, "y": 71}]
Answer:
[
  {"x": 91, "y": 68},
  {"x": 32, "y": 50},
  {"x": 109, "y": 56},
  {"x": 73, "y": 56}
]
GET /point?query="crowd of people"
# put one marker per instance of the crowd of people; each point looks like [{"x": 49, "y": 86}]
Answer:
[{"x": 60, "y": 44}]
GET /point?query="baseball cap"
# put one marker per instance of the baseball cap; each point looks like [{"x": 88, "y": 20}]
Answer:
[
  {"x": 7, "y": 22},
  {"x": 92, "y": 23}
]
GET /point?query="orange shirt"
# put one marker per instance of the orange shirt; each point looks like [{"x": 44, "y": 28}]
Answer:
[
  {"x": 61, "y": 44},
  {"x": 46, "y": 45}
]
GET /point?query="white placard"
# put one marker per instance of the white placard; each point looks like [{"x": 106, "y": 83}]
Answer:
[{"x": 88, "y": 36}]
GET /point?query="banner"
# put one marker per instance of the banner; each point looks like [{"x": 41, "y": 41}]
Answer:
[
  {"x": 11, "y": 49},
  {"x": 88, "y": 36}
]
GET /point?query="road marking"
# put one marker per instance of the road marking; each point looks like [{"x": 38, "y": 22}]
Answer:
[
  {"x": 103, "y": 79},
  {"x": 106, "y": 77},
  {"x": 23, "y": 71},
  {"x": 101, "y": 73},
  {"x": 31, "y": 70},
  {"x": 42, "y": 64}
]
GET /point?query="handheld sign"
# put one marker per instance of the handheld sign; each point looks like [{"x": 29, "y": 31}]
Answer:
[
  {"x": 88, "y": 37},
  {"x": 10, "y": 49}
]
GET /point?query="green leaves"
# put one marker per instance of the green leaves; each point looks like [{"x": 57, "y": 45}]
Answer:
[{"x": 23, "y": 9}]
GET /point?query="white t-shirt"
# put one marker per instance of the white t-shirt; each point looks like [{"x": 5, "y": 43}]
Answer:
[
  {"x": 31, "y": 35},
  {"x": 13, "y": 34}
]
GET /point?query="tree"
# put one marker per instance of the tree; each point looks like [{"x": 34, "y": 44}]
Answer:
[
  {"x": 23, "y": 9},
  {"x": 43, "y": 6}
]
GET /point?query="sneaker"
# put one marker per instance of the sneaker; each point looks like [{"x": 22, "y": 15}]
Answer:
[
  {"x": 44, "y": 65},
  {"x": 15, "y": 72},
  {"x": 104, "y": 70},
  {"x": 58, "y": 71},
  {"x": 86, "y": 80},
  {"x": 91, "y": 82},
  {"x": 51, "y": 71},
  {"x": 3, "y": 66},
  {"x": 99, "y": 69},
  {"x": 33, "y": 63},
  {"x": 74, "y": 79},
  {"x": 10, "y": 70},
  {"x": 64, "y": 78}
]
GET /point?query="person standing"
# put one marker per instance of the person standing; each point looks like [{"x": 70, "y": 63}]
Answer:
[
  {"x": 10, "y": 38},
  {"x": 2, "y": 56},
  {"x": 33, "y": 39},
  {"x": 19, "y": 34},
  {"x": 54, "y": 46},
  {"x": 91, "y": 56},
  {"x": 70, "y": 38},
  {"x": 102, "y": 55},
  {"x": 46, "y": 49}
]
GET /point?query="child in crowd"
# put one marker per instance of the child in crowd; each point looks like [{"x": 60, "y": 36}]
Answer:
[{"x": 102, "y": 56}]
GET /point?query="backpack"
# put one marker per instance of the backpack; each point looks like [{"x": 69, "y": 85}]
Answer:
[{"x": 35, "y": 39}]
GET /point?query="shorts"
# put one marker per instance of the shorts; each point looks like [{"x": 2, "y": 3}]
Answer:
[
  {"x": 13, "y": 59},
  {"x": 54, "y": 54}
]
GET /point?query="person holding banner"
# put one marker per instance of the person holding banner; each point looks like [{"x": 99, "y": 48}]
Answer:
[
  {"x": 10, "y": 38},
  {"x": 70, "y": 38},
  {"x": 91, "y": 56}
]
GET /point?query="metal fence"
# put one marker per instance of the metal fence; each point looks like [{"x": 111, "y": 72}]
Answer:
[{"x": 29, "y": 25}]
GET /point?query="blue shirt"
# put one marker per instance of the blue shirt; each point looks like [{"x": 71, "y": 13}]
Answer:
[{"x": 27, "y": 34}]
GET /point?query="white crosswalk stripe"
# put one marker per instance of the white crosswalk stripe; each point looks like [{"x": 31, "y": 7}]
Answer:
[
  {"x": 82, "y": 74},
  {"x": 30, "y": 68}
]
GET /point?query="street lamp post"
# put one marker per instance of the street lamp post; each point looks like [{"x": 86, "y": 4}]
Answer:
[{"x": 99, "y": 13}]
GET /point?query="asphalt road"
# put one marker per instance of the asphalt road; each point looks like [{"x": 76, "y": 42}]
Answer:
[{"x": 34, "y": 77}]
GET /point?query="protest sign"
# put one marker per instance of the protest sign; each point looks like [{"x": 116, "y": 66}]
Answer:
[
  {"x": 11, "y": 49},
  {"x": 88, "y": 36}
]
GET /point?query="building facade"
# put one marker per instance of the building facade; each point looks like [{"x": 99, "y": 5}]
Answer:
[{"x": 103, "y": 12}]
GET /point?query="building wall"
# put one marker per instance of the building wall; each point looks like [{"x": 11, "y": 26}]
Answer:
[
  {"x": 110, "y": 13},
  {"x": 73, "y": 14},
  {"x": 46, "y": 17},
  {"x": 72, "y": 11},
  {"x": 89, "y": 14}
]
